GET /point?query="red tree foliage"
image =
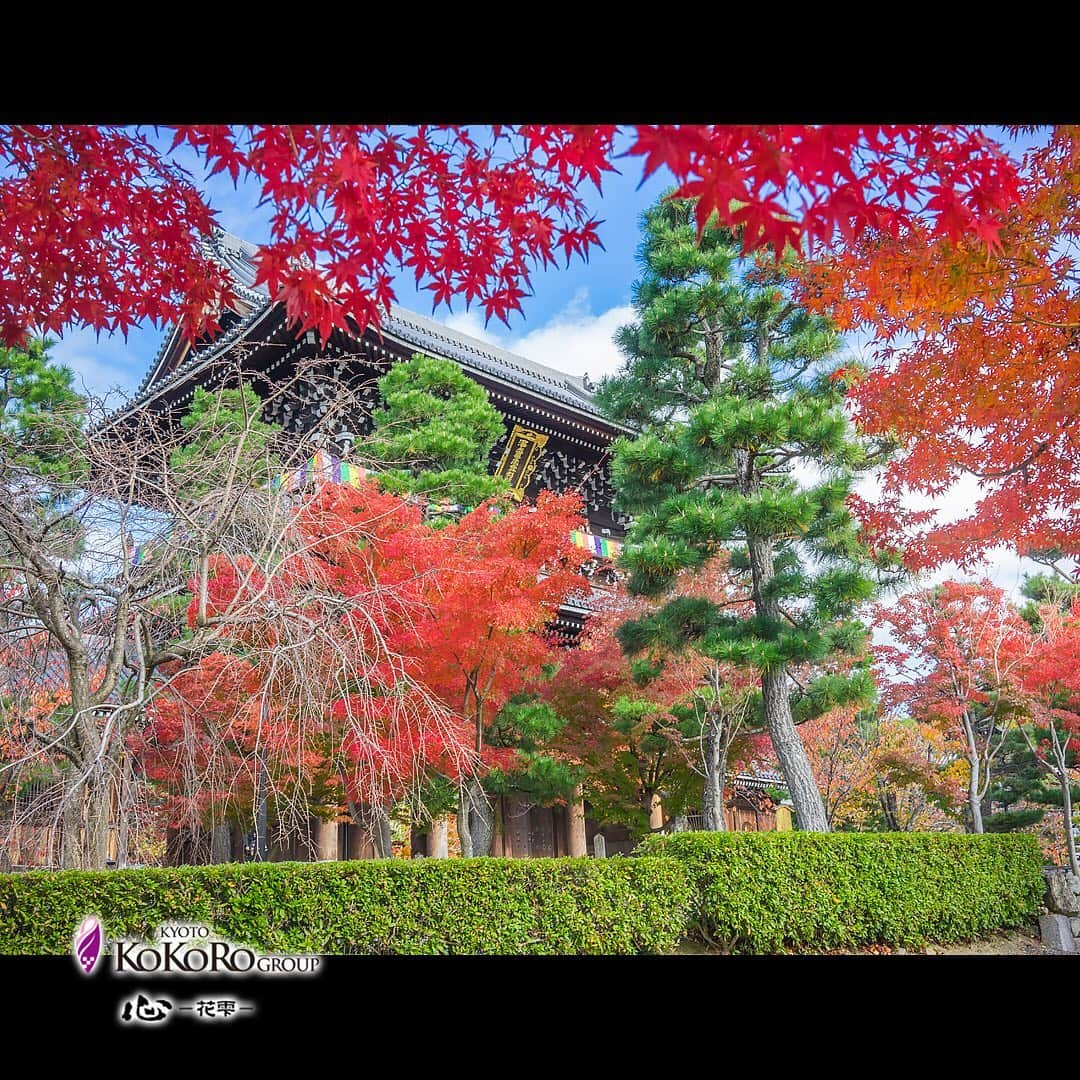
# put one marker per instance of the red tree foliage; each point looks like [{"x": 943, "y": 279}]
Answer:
[
  {"x": 954, "y": 665},
  {"x": 487, "y": 586},
  {"x": 1049, "y": 675},
  {"x": 423, "y": 634},
  {"x": 100, "y": 227}
]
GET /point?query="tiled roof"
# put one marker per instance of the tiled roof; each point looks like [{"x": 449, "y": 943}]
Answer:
[{"x": 408, "y": 327}]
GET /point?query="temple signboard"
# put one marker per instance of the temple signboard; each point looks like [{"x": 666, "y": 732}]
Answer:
[{"x": 520, "y": 458}]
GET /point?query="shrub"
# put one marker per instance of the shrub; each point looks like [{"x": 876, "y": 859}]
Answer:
[
  {"x": 761, "y": 892},
  {"x": 422, "y": 906}
]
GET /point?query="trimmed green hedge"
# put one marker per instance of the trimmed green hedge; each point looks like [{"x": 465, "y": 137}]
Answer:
[
  {"x": 422, "y": 906},
  {"x": 762, "y": 892},
  {"x": 750, "y": 892}
]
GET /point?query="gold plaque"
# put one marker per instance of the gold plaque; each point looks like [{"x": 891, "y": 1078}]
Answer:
[{"x": 523, "y": 451}]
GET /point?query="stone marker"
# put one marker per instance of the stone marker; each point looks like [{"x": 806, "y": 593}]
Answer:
[
  {"x": 1056, "y": 933},
  {"x": 1060, "y": 895},
  {"x": 575, "y": 823},
  {"x": 599, "y": 846}
]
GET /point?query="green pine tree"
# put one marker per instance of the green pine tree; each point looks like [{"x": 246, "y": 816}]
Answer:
[
  {"x": 530, "y": 725},
  {"x": 745, "y": 447},
  {"x": 1041, "y": 590},
  {"x": 1020, "y": 779},
  {"x": 41, "y": 415},
  {"x": 434, "y": 432}
]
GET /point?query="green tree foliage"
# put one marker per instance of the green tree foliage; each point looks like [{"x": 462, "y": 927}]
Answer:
[
  {"x": 1042, "y": 589},
  {"x": 1021, "y": 780},
  {"x": 228, "y": 444},
  {"x": 746, "y": 448},
  {"x": 41, "y": 415},
  {"x": 434, "y": 432},
  {"x": 530, "y": 725}
]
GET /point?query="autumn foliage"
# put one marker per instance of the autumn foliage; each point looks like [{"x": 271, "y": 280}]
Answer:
[
  {"x": 101, "y": 226},
  {"x": 433, "y": 630},
  {"x": 975, "y": 369}
]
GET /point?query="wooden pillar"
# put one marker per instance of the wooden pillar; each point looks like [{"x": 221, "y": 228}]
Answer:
[
  {"x": 326, "y": 841},
  {"x": 498, "y": 833},
  {"x": 656, "y": 814},
  {"x": 220, "y": 844},
  {"x": 438, "y": 838},
  {"x": 575, "y": 824},
  {"x": 359, "y": 843}
]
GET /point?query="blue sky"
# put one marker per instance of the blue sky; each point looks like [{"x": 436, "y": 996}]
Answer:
[{"x": 567, "y": 323}]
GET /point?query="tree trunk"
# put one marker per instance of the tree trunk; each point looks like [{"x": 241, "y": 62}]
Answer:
[
  {"x": 123, "y": 824},
  {"x": 887, "y": 801},
  {"x": 1066, "y": 799},
  {"x": 973, "y": 779},
  {"x": 810, "y": 813},
  {"x": 464, "y": 831},
  {"x": 262, "y": 845},
  {"x": 98, "y": 819},
  {"x": 220, "y": 844},
  {"x": 712, "y": 801},
  {"x": 481, "y": 815},
  {"x": 381, "y": 833},
  {"x": 1070, "y": 839},
  {"x": 71, "y": 847}
]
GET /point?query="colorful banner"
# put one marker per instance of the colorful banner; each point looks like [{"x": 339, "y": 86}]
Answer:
[
  {"x": 598, "y": 545},
  {"x": 523, "y": 451},
  {"x": 322, "y": 467}
]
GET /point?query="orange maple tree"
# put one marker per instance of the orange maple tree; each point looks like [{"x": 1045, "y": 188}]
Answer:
[
  {"x": 976, "y": 367},
  {"x": 1049, "y": 675},
  {"x": 899, "y": 772},
  {"x": 952, "y": 661}
]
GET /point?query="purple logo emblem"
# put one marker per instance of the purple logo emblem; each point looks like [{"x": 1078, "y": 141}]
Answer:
[{"x": 88, "y": 943}]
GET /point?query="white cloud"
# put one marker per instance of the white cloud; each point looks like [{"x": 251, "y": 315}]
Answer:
[
  {"x": 577, "y": 341},
  {"x": 472, "y": 323},
  {"x": 574, "y": 340}
]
